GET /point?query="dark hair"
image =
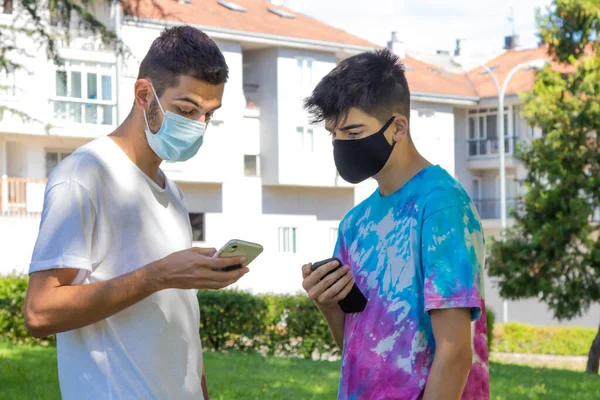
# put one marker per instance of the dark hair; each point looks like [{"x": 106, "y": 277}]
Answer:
[
  {"x": 183, "y": 50},
  {"x": 373, "y": 82}
]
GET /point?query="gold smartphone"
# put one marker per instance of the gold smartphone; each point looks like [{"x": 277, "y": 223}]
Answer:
[{"x": 236, "y": 248}]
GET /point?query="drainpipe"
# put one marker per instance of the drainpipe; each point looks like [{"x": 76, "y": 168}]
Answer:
[
  {"x": 3, "y": 174},
  {"x": 118, "y": 54}
]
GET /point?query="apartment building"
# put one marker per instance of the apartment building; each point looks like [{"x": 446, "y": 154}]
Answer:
[
  {"x": 263, "y": 174},
  {"x": 454, "y": 124}
]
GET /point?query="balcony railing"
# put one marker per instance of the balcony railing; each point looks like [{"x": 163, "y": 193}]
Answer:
[
  {"x": 20, "y": 196},
  {"x": 490, "y": 208},
  {"x": 490, "y": 147}
]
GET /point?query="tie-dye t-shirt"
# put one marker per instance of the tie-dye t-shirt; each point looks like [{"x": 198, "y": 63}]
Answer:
[{"x": 418, "y": 249}]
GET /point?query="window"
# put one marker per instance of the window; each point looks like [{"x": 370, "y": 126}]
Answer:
[
  {"x": 483, "y": 132},
  {"x": 84, "y": 94},
  {"x": 197, "y": 224},
  {"x": 305, "y": 138},
  {"x": 7, "y": 7},
  {"x": 53, "y": 158},
  {"x": 287, "y": 240},
  {"x": 251, "y": 167},
  {"x": 305, "y": 75}
]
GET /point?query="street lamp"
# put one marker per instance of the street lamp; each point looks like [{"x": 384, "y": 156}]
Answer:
[{"x": 537, "y": 64}]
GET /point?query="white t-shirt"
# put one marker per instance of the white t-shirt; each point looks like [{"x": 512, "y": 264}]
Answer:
[{"x": 104, "y": 216}]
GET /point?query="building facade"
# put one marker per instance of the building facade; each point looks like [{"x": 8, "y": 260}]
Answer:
[{"x": 264, "y": 174}]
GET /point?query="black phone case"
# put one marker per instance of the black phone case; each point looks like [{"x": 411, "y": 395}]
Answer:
[{"x": 355, "y": 301}]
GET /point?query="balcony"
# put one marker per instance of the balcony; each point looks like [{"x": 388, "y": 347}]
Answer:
[
  {"x": 21, "y": 196},
  {"x": 490, "y": 208},
  {"x": 490, "y": 147}
]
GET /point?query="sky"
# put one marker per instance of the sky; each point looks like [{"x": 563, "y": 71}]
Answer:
[{"x": 430, "y": 25}]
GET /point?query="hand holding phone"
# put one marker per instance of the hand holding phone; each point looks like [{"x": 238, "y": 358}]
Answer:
[
  {"x": 354, "y": 301},
  {"x": 236, "y": 248}
]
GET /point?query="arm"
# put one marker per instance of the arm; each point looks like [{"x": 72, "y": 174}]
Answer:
[
  {"x": 53, "y": 305},
  {"x": 64, "y": 250},
  {"x": 336, "y": 321},
  {"x": 204, "y": 387},
  {"x": 453, "y": 357},
  {"x": 452, "y": 257}
]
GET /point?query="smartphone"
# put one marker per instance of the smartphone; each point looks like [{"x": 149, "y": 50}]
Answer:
[
  {"x": 236, "y": 248},
  {"x": 355, "y": 301}
]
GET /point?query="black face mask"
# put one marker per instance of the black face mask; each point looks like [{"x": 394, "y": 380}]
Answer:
[{"x": 360, "y": 159}]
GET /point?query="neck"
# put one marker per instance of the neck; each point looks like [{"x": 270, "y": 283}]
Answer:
[
  {"x": 405, "y": 163},
  {"x": 131, "y": 137}
]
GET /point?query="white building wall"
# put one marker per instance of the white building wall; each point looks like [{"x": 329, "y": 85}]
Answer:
[{"x": 432, "y": 131}]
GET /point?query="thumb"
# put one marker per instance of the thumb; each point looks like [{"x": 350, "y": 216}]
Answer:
[
  {"x": 205, "y": 251},
  {"x": 306, "y": 270}
]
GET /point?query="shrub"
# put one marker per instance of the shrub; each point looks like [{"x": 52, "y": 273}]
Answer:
[
  {"x": 12, "y": 298},
  {"x": 514, "y": 337},
  {"x": 490, "y": 319},
  {"x": 231, "y": 319},
  {"x": 297, "y": 328}
]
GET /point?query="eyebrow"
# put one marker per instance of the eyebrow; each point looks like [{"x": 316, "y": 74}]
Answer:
[
  {"x": 185, "y": 98},
  {"x": 353, "y": 126}
]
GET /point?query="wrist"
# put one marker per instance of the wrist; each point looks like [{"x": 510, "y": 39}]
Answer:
[
  {"x": 154, "y": 277},
  {"x": 328, "y": 309}
]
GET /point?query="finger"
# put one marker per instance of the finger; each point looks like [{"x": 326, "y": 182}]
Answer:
[
  {"x": 330, "y": 292},
  {"x": 319, "y": 273},
  {"x": 333, "y": 278},
  {"x": 205, "y": 251},
  {"x": 345, "y": 291},
  {"x": 226, "y": 276},
  {"x": 306, "y": 270},
  {"x": 338, "y": 286},
  {"x": 222, "y": 262}
]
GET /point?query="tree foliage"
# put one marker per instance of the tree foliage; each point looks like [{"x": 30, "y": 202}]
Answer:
[{"x": 553, "y": 250}]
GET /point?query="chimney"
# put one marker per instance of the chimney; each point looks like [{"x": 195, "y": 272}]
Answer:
[
  {"x": 511, "y": 42},
  {"x": 459, "y": 47},
  {"x": 397, "y": 46}
]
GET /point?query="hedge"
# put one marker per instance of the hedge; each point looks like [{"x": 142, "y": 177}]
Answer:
[
  {"x": 490, "y": 319},
  {"x": 514, "y": 337},
  {"x": 285, "y": 325}
]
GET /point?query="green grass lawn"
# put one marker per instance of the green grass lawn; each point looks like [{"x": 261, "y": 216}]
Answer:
[{"x": 29, "y": 372}]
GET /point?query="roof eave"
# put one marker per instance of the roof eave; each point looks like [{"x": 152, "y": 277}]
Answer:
[
  {"x": 255, "y": 37},
  {"x": 444, "y": 98}
]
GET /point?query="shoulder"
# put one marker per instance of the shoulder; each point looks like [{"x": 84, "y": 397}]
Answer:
[
  {"x": 86, "y": 166},
  {"x": 356, "y": 214},
  {"x": 445, "y": 195}
]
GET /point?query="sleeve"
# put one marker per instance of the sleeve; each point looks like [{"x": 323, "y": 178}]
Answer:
[
  {"x": 453, "y": 253},
  {"x": 66, "y": 229}
]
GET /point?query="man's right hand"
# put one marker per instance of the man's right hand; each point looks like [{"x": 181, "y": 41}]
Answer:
[
  {"x": 334, "y": 287},
  {"x": 193, "y": 269}
]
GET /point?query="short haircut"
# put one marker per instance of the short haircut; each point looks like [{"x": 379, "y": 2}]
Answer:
[
  {"x": 179, "y": 51},
  {"x": 373, "y": 82}
]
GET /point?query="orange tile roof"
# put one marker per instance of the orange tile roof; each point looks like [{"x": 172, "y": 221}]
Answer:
[
  {"x": 522, "y": 81},
  {"x": 427, "y": 78},
  {"x": 257, "y": 19}
]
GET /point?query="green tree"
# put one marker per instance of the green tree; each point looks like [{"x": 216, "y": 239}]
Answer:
[{"x": 553, "y": 250}]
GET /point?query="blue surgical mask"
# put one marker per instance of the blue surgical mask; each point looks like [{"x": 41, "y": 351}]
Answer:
[{"x": 178, "y": 139}]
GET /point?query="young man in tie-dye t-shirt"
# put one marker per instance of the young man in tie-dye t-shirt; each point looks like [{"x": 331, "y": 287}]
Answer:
[{"x": 415, "y": 248}]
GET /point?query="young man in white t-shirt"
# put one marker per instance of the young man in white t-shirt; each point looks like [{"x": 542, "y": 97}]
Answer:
[{"x": 113, "y": 271}]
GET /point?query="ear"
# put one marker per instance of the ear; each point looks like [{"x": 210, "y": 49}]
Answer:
[
  {"x": 401, "y": 128},
  {"x": 143, "y": 94}
]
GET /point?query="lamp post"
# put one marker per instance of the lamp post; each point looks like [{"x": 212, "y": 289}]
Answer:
[{"x": 539, "y": 63}]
